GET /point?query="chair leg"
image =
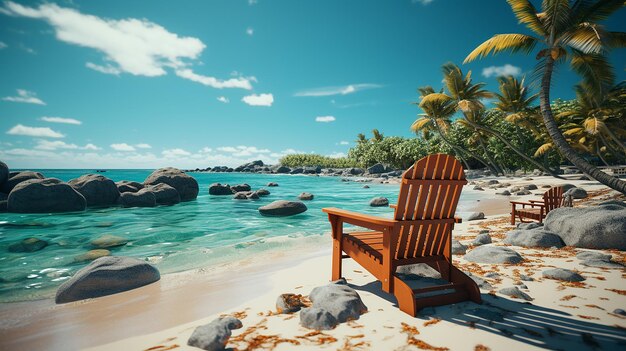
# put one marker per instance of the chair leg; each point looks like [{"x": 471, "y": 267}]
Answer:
[
  {"x": 404, "y": 296},
  {"x": 336, "y": 272}
]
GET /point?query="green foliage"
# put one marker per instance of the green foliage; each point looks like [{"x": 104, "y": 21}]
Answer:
[
  {"x": 396, "y": 152},
  {"x": 312, "y": 160}
]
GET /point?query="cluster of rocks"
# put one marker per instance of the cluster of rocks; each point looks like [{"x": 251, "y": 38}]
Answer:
[
  {"x": 506, "y": 189},
  {"x": 31, "y": 192},
  {"x": 239, "y": 191},
  {"x": 378, "y": 170}
]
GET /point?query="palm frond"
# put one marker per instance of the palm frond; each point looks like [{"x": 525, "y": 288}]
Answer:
[
  {"x": 435, "y": 98},
  {"x": 616, "y": 40},
  {"x": 420, "y": 124},
  {"x": 527, "y": 14},
  {"x": 593, "y": 125},
  {"x": 595, "y": 69},
  {"x": 595, "y": 11},
  {"x": 543, "y": 149},
  {"x": 502, "y": 42},
  {"x": 586, "y": 38}
]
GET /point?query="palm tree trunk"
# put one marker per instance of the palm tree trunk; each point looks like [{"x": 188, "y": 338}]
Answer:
[
  {"x": 559, "y": 139},
  {"x": 495, "y": 165},
  {"x": 459, "y": 150}
]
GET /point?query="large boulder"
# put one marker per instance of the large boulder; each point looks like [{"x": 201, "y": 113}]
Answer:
[
  {"x": 45, "y": 196},
  {"x": 576, "y": 193},
  {"x": 186, "y": 185},
  {"x": 14, "y": 178},
  {"x": 332, "y": 304},
  {"x": 241, "y": 187},
  {"x": 356, "y": 171},
  {"x": 493, "y": 254},
  {"x": 376, "y": 169},
  {"x": 4, "y": 173},
  {"x": 106, "y": 276},
  {"x": 125, "y": 186},
  {"x": 142, "y": 198},
  {"x": 594, "y": 227},
  {"x": 98, "y": 190},
  {"x": 164, "y": 194},
  {"x": 533, "y": 238},
  {"x": 283, "y": 208},
  {"x": 214, "y": 336},
  {"x": 283, "y": 169},
  {"x": 220, "y": 189}
]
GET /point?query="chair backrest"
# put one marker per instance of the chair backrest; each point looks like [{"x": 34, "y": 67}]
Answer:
[
  {"x": 429, "y": 191},
  {"x": 553, "y": 198}
]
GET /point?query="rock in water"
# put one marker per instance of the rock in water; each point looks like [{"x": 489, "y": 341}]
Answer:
[
  {"x": 241, "y": 187},
  {"x": 186, "y": 186},
  {"x": 594, "y": 227},
  {"x": 164, "y": 194},
  {"x": 272, "y": 184},
  {"x": 28, "y": 245},
  {"x": 262, "y": 192},
  {"x": 332, "y": 304},
  {"x": 379, "y": 202},
  {"x": 283, "y": 208},
  {"x": 142, "y": 198},
  {"x": 289, "y": 303},
  {"x": 108, "y": 240},
  {"x": 493, "y": 254},
  {"x": 305, "y": 196},
  {"x": 45, "y": 196},
  {"x": 562, "y": 274},
  {"x": 533, "y": 238},
  {"x": 214, "y": 336},
  {"x": 98, "y": 190},
  {"x": 106, "y": 276},
  {"x": 4, "y": 173},
  {"x": 14, "y": 178},
  {"x": 92, "y": 255},
  {"x": 220, "y": 189},
  {"x": 126, "y": 186}
]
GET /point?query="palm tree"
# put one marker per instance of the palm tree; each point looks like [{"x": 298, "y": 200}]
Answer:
[
  {"x": 377, "y": 136},
  {"x": 568, "y": 31}
]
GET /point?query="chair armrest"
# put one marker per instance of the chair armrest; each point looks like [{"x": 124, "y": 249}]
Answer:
[
  {"x": 458, "y": 220},
  {"x": 528, "y": 204},
  {"x": 536, "y": 201},
  {"x": 394, "y": 206},
  {"x": 360, "y": 219}
]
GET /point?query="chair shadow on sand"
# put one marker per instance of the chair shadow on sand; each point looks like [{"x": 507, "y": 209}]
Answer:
[{"x": 521, "y": 321}]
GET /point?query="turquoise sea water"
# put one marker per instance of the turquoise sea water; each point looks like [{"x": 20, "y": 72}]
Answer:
[{"x": 207, "y": 231}]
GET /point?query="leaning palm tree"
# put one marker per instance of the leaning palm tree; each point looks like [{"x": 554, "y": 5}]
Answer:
[{"x": 568, "y": 31}]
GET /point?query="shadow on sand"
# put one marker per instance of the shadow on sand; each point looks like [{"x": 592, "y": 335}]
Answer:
[{"x": 521, "y": 321}]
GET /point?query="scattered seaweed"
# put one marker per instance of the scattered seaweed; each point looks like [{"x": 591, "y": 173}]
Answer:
[{"x": 432, "y": 322}]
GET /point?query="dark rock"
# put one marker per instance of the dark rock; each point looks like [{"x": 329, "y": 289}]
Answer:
[
  {"x": 98, "y": 190},
  {"x": 619, "y": 311},
  {"x": 356, "y": 171},
  {"x": 164, "y": 194},
  {"x": 305, "y": 196},
  {"x": 475, "y": 216},
  {"x": 106, "y": 276},
  {"x": 332, "y": 304},
  {"x": 418, "y": 270},
  {"x": 525, "y": 278},
  {"x": 262, "y": 192},
  {"x": 219, "y": 189},
  {"x": 214, "y": 336},
  {"x": 142, "y": 198},
  {"x": 597, "y": 259},
  {"x": 317, "y": 318},
  {"x": 108, "y": 240},
  {"x": 379, "y": 201},
  {"x": 594, "y": 227},
  {"x": 45, "y": 196},
  {"x": 283, "y": 169},
  {"x": 312, "y": 170},
  {"x": 14, "y": 178},
  {"x": 283, "y": 208},
  {"x": 566, "y": 187},
  {"x": 241, "y": 187},
  {"x": 28, "y": 245},
  {"x": 482, "y": 283},
  {"x": 515, "y": 293},
  {"x": 523, "y": 192},
  {"x": 272, "y": 184},
  {"x": 366, "y": 186},
  {"x": 92, "y": 255},
  {"x": 576, "y": 193},
  {"x": 533, "y": 238},
  {"x": 504, "y": 193},
  {"x": 4, "y": 206},
  {"x": 458, "y": 248},
  {"x": 186, "y": 185},
  {"x": 493, "y": 254},
  {"x": 297, "y": 170},
  {"x": 4, "y": 173},
  {"x": 492, "y": 182},
  {"x": 477, "y": 187},
  {"x": 376, "y": 169},
  {"x": 528, "y": 226},
  {"x": 127, "y": 186},
  {"x": 289, "y": 303},
  {"x": 562, "y": 274},
  {"x": 246, "y": 195},
  {"x": 530, "y": 187},
  {"x": 481, "y": 239}
]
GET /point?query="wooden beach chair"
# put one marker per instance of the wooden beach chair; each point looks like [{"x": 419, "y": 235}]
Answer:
[
  {"x": 538, "y": 209},
  {"x": 420, "y": 232}
]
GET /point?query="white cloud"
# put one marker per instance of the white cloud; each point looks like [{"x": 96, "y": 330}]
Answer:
[
  {"x": 61, "y": 120},
  {"x": 423, "y": 2},
  {"x": 239, "y": 82},
  {"x": 325, "y": 119},
  {"x": 25, "y": 96},
  {"x": 259, "y": 100},
  {"x": 108, "y": 69},
  {"x": 122, "y": 147},
  {"x": 253, "y": 2},
  {"x": 143, "y": 146},
  {"x": 223, "y": 99},
  {"x": 54, "y": 145},
  {"x": 506, "y": 70},
  {"x": 242, "y": 150},
  {"x": 343, "y": 142},
  {"x": 43, "y": 132},
  {"x": 3, "y": 45},
  {"x": 173, "y": 153},
  {"x": 205, "y": 150},
  {"x": 250, "y": 31},
  {"x": 91, "y": 147},
  {"x": 338, "y": 90}
]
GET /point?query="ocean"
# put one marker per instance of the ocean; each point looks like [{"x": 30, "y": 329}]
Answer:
[{"x": 208, "y": 231}]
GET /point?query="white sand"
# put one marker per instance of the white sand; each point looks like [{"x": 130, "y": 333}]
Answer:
[{"x": 163, "y": 315}]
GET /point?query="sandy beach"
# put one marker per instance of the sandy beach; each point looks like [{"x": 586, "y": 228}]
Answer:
[{"x": 163, "y": 315}]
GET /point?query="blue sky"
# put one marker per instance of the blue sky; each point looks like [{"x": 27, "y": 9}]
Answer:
[{"x": 144, "y": 84}]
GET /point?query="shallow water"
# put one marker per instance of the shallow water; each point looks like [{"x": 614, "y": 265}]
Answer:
[{"x": 207, "y": 231}]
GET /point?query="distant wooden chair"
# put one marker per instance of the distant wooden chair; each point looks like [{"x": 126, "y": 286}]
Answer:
[
  {"x": 420, "y": 232},
  {"x": 538, "y": 209}
]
